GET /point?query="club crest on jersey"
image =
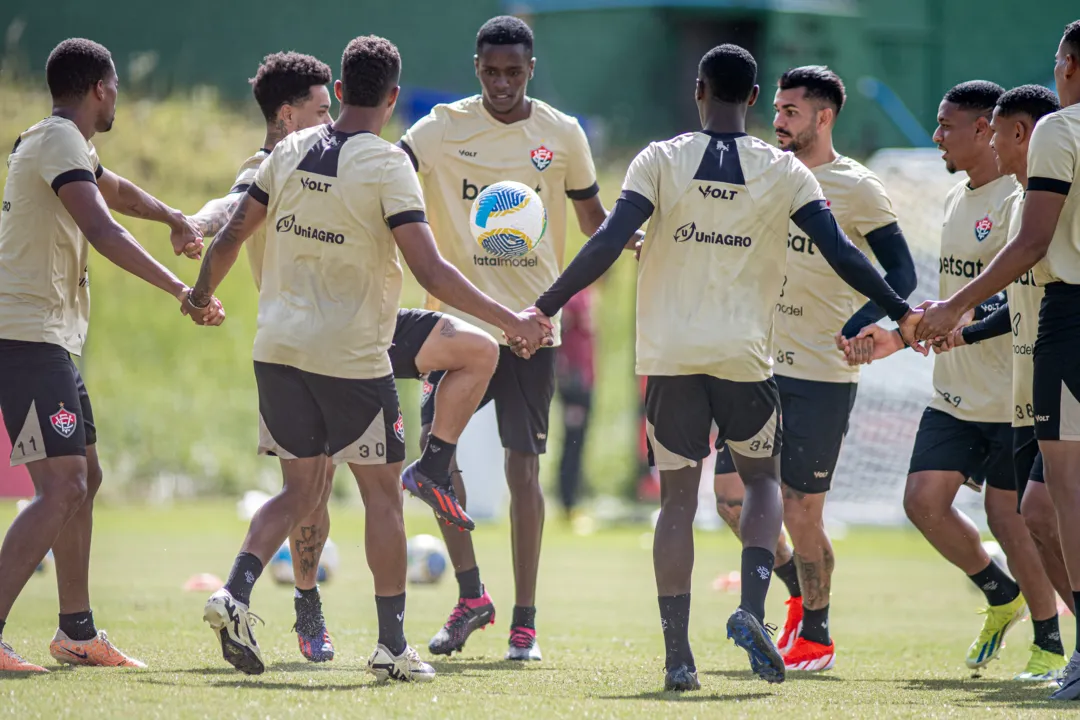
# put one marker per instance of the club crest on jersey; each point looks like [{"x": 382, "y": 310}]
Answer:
[
  {"x": 64, "y": 421},
  {"x": 425, "y": 391},
  {"x": 399, "y": 428},
  {"x": 983, "y": 228},
  {"x": 541, "y": 157}
]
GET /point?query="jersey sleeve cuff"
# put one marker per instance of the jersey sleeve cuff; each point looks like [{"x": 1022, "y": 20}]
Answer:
[
  {"x": 809, "y": 209},
  {"x": 239, "y": 188},
  {"x": 71, "y": 176},
  {"x": 406, "y": 217},
  {"x": 99, "y": 172},
  {"x": 258, "y": 194},
  {"x": 409, "y": 151},
  {"x": 1061, "y": 187},
  {"x": 589, "y": 192},
  {"x": 639, "y": 201}
]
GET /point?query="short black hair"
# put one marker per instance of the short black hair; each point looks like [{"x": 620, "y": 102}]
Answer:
[
  {"x": 730, "y": 71},
  {"x": 1072, "y": 37},
  {"x": 370, "y": 69},
  {"x": 505, "y": 30},
  {"x": 286, "y": 78},
  {"x": 978, "y": 95},
  {"x": 818, "y": 82},
  {"x": 1031, "y": 100},
  {"x": 76, "y": 65}
]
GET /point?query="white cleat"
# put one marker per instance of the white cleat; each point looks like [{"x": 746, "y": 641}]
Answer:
[
  {"x": 231, "y": 622},
  {"x": 406, "y": 667}
]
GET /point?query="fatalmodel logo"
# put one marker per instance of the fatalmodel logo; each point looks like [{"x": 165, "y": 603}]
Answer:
[
  {"x": 492, "y": 261},
  {"x": 289, "y": 224}
]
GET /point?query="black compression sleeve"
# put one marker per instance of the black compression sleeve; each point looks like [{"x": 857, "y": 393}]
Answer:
[
  {"x": 993, "y": 325},
  {"x": 817, "y": 221},
  {"x": 891, "y": 250},
  {"x": 603, "y": 249},
  {"x": 987, "y": 307}
]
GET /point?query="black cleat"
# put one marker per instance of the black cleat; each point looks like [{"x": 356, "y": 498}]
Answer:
[
  {"x": 681, "y": 679},
  {"x": 441, "y": 499},
  {"x": 753, "y": 637},
  {"x": 467, "y": 617}
]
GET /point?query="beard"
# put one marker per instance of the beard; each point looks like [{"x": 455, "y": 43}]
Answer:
[{"x": 798, "y": 143}]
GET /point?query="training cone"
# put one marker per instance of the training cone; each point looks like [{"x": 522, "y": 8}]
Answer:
[{"x": 203, "y": 582}]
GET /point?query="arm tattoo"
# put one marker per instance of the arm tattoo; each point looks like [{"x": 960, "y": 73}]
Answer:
[
  {"x": 224, "y": 241},
  {"x": 213, "y": 217}
]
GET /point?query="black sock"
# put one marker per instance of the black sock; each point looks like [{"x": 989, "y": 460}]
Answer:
[
  {"x": 246, "y": 570},
  {"x": 675, "y": 620},
  {"x": 524, "y": 617},
  {"x": 79, "y": 626},
  {"x": 309, "y": 617},
  {"x": 815, "y": 625},
  {"x": 790, "y": 577},
  {"x": 756, "y": 572},
  {"x": 1048, "y": 635},
  {"x": 998, "y": 588},
  {"x": 435, "y": 461},
  {"x": 469, "y": 585},
  {"x": 391, "y": 612},
  {"x": 1076, "y": 604}
]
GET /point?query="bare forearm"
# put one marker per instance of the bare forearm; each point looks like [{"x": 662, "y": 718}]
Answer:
[
  {"x": 446, "y": 283},
  {"x": 133, "y": 201},
  {"x": 118, "y": 247},
  {"x": 1013, "y": 261}
]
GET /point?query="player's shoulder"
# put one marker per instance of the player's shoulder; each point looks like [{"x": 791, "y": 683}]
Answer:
[
  {"x": 850, "y": 168},
  {"x": 673, "y": 146},
  {"x": 956, "y": 191},
  {"x": 55, "y": 130},
  {"x": 1063, "y": 125},
  {"x": 254, "y": 162},
  {"x": 550, "y": 115},
  {"x": 463, "y": 109},
  {"x": 845, "y": 171}
]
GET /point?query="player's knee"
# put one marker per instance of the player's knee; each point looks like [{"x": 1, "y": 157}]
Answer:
[
  {"x": 93, "y": 479},
  {"x": 67, "y": 492},
  {"x": 482, "y": 353},
  {"x": 523, "y": 472},
  {"x": 920, "y": 505},
  {"x": 1041, "y": 522}
]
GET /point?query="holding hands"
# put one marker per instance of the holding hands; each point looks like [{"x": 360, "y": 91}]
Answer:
[
  {"x": 210, "y": 314},
  {"x": 531, "y": 331}
]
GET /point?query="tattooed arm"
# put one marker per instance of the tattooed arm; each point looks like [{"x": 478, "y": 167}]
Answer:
[
  {"x": 214, "y": 214},
  {"x": 222, "y": 253},
  {"x": 126, "y": 198}
]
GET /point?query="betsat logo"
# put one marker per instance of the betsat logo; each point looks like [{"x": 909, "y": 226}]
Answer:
[
  {"x": 959, "y": 267},
  {"x": 685, "y": 232},
  {"x": 289, "y": 224},
  {"x": 470, "y": 191},
  {"x": 800, "y": 244}
]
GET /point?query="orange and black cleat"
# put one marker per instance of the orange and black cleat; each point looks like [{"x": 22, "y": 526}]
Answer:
[{"x": 441, "y": 498}]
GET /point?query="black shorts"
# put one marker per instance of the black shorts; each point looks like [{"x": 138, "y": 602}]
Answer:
[
  {"x": 303, "y": 415},
  {"x": 1027, "y": 460},
  {"x": 410, "y": 334},
  {"x": 522, "y": 391},
  {"x": 980, "y": 451},
  {"x": 680, "y": 411},
  {"x": 46, "y": 410},
  {"x": 1057, "y": 365},
  {"x": 814, "y": 416}
]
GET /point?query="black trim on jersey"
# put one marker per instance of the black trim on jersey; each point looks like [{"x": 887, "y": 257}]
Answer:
[
  {"x": 239, "y": 188},
  {"x": 16, "y": 145},
  {"x": 589, "y": 192},
  {"x": 71, "y": 176},
  {"x": 409, "y": 151},
  {"x": 266, "y": 150},
  {"x": 406, "y": 217},
  {"x": 99, "y": 172},
  {"x": 322, "y": 157},
  {"x": 1061, "y": 187},
  {"x": 994, "y": 325},
  {"x": 639, "y": 201},
  {"x": 258, "y": 194},
  {"x": 599, "y": 254},
  {"x": 720, "y": 162}
]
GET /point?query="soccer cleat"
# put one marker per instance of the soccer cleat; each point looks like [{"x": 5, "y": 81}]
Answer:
[
  {"x": 406, "y": 667},
  {"x": 1043, "y": 666},
  {"x": 523, "y": 645},
  {"x": 810, "y": 656},
  {"x": 753, "y": 637},
  {"x": 97, "y": 651},
  {"x": 792, "y": 626},
  {"x": 231, "y": 622},
  {"x": 11, "y": 661},
  {"x": 441, "y": 499},
  {"x": 317, "y": 648},
  {"x": 1069, "y": 683},
  {"x": 681, "y": 679},
  {"x": 999, "y": 618},
  {"x": 467, "y": 616}
]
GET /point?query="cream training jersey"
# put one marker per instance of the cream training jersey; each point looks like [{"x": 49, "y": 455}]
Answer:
[
  {"x": 256, "y": 244},
  {"x": 814, "y": 302},
  {"x": 459, "y": 149},
  {"x": 1025, "y": 298},
  {"x": 714, "y": 256},
  {"x": 1054, "y": 165},
  {"x": 973, "y": 385},
  {"x": 44, "y": 284},
  {"x": 331, "y": 279}
]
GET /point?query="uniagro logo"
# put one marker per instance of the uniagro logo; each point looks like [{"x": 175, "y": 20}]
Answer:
[
  {"x": 288, "y": 223},
  {"x": 685, "y": 232}
]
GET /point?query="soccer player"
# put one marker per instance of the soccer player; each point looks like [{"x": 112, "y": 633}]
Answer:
[
  {"x": 56, "y": 204},
  {"x": 1049, "y": 241},
  {"x": 710, "y": 275},
  {"x": 1014, "y": 118},
  {"x": 291, "y": 90},
  {"x": 458, "y": 149},
  {"x": 965, "y": 435},
  {"x": 817, "y": 387},
  {"x": 339, "y": 202}
]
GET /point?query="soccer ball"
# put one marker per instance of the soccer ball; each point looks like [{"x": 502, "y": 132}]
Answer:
[
  {"x": 507, "y": 219},
  {"x": 282, "y": 570},
  {"x": 428, "y": 559}
]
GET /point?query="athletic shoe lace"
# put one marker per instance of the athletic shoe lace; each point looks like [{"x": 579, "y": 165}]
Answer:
[
  {"x": 770, "y": 628},
  {"x": 521, "y": 638},
  {"x": 458, "y": 613},
  {"x": 412, "y": 656},
  {"x": 1071, "y": 669},
  {"x": 11, "y": 651}
]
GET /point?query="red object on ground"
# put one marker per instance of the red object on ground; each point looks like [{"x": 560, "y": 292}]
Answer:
[{"x": 14, "y": 481}]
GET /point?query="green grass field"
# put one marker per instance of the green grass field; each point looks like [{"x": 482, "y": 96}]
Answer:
[{"x": 903, "y": 619}]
